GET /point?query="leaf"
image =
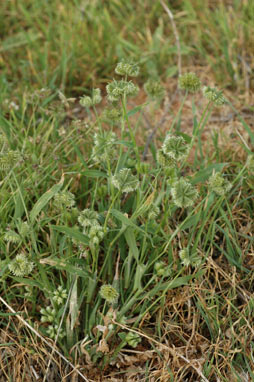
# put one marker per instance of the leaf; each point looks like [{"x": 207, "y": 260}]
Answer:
[
  {"x": 94, "y": 174},
  {"x": 45, "y": 198},
  {"x": 131, "y": 241},
  {"x": 73, "y": 305},
  {"x": 126, "y": 221},
  {"x": 62, "y": 265},
  {"x": 134, "y": 110},
  {"x": 205, "y": 174},
  {"x": 72, "y": 232}
]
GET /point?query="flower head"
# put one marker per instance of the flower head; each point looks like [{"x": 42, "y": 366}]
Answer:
[
  {"x": 104, "y": 146},
  {"x": 154, "y": 89},
  {"x": 175, "y": 147},
  {"x": 189, "y": 259},
  {"x": 109, "y": 293},
  {"x": 183, "y": 193},
  {"x": 64, "y": 199},
  {"x": 218, "y": 184},
  {"x": 112, "y": 115},
  {"x": 87, "y": 101},
  {"x": 54, "y": 332},
  {"x": 88, "y": 218},
  {"x": 214, "y": 95},
  {"x": 12, "y": 237},
  {"x": 125, "y": 68},
  {"x": 59, "y": 295},
  {"x": 132, "y": 339},
  {"x": 116, "y": 89},
  {"x": 21, "y": 265},
  {"x": 190, "y": 82},
  {"x": 124, "y": 181},
  {"x": 164, "y": 160}
]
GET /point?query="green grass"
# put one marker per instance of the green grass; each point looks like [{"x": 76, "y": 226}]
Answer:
[{"x": 180, "y": 315}]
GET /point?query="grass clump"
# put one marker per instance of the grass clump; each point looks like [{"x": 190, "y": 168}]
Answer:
[{"x": 125, "y": 254}]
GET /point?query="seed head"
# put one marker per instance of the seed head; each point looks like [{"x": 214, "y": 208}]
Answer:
[
  {"x": 59, "y": 295},
  {"x": 189, "y": 82},
  {"x": 116, "y": 89},
  {"x": 109, "y": 293},
  {"x": 218, "y": 184},
  {"x": 88, "y": 218},
  {"x": 132, "y": 339},
  {"x": 124, "y": 181},
  {"x": 21, "y": 265},
  {"x": 87, "y": 101},
  {"x": 214, "y": 95},
  {"x": 183, "y": 193},
  {"x": 154, "y": 89},
  {"x": 12, "y": 237},
  {"x": 64, "y": 199},
  {"x": 126, "y": 68},
  {"x": 175, "y": 147}
]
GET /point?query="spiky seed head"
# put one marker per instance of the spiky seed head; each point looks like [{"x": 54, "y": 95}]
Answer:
[
  {"x": 189, "y": 259},
  {"x": 64, "y": 199},
  {"x": 88, "y": 217},
  {"x": 132, "y": 339},
  {"x": 175, "y": 147},
  {"x": 154, "y": 89},
  {"x": 116, "y": 89},
  {"x": 189, "y": 82},
  {"x": 59, "y": 295},
  {"x": 109, "y": 293},
  {"x": 112, "y": 115},
  {"x": 183, "y": 193},
  {"x": 104, "y": 147},
  {"x": 164, "y": 160},
  {"x": 124, "y": 181},
  {"x": 219, "y": 184},
  {"x": 214, "y": 95},
  {"x": 12, "y": 237},
  {"x": 125, "y": 68},
  {"x": 21, "y": 266}
]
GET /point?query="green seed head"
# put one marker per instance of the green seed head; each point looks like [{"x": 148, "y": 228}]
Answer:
[
  {"x": 175, "y": 147},
  {"x": 218, "y": 184},
  {"x": 183, "y": 193},
  {"x": 189, "y": 82},
  {"x": 124, "y": 181},
  {"x": 109, "y": 293},
  {"x": 214, "y": 95},
  {"x": 126, "y": 68},
  {"x": 154, "y": 89},
  {"x": 21, "y": 265}
]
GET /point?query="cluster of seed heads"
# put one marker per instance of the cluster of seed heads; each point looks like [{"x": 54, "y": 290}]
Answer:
[
  {"x": 154, "y": 89},
  {"x": 189, "y": 82},
  {"x": 21, "y": 266},
  {"x": 183, "y": 193},
  {"x": 124, "y": 181},
  {"x": 126, "y": 68},
  {"x": 64, "y": 200},
  {"x": 95, "y": 98},
  {"x": 175, "y": 147},
  {"x": 104, "y": 147},
  {"x": 109, "y": 293},
  {"x": 188, "y": 259},
  {"x": 92, "y": 228},
  {"x": 219, "y": 184},
  {"x": 214, "y": 95},
  {"x": 132, "y": 339},
  {"x": 59, "y": 295},
  {"x": 117, "y": 89}
]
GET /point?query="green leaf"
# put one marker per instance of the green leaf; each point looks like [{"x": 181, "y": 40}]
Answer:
[
  {"x": 131, "y": 241},
  {"x": 94, "y": 174},
  {"x": 125, "y": 221},
  {"x": 45, "y": 198},
  {"x": 205, "y": 174},
  {"x": 134, "y": 110},
  {"x": 72, "y": 232}
]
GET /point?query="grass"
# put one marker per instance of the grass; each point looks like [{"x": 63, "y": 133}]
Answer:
[{"x": 129, "y": 271}]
